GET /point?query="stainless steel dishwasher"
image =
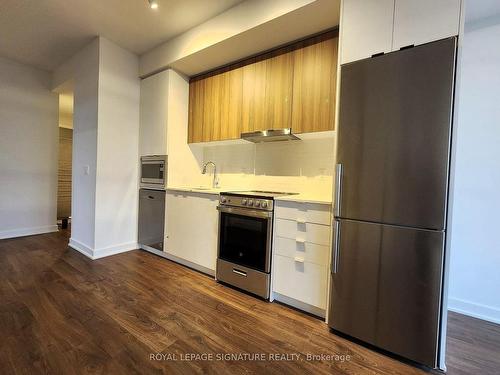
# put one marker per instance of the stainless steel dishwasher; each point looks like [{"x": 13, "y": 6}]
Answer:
[{"x": 151, "y": 218}]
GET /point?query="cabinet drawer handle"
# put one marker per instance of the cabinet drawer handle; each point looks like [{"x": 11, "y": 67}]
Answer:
[
  {"x": 301, "y": 221},
  {"x": 298, "y": 259},
  {"x": 300, "y": 240},
  {"x": 238, "y": 272}
]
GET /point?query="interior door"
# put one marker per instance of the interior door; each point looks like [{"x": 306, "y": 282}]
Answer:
[
  {"x": 394, "y": 136},
  {"x": 387, "y": 288}
]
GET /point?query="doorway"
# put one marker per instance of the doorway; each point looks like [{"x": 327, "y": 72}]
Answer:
[{"x": 65, "y": 159}]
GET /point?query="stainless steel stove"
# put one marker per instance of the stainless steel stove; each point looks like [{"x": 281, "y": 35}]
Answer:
[{"x": 245, "y": 240}]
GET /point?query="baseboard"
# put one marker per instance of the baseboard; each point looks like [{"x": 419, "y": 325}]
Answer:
[
  {"x": 82, "y": 248},
  {"x": 103, "y": 252},
  {"x": 175, "y": 259},
  {"x": 21, "y": 232},
  {"x": 116, "y": 249},
  {"x": 299, "y": 305},
  {"x": 475, "y": 310}
]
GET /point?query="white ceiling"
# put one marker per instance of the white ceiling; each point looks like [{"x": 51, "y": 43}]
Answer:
[{"x": 44, "y": 33}]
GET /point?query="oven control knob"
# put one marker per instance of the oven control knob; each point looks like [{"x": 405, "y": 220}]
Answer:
[
  {"x": 264, "y": 204},
  {"x": 250, "y": 202},
  {"x": 223, "y": 200},
  {"x": 257, "y": 203},
  {"x": 244, "y": 202}
]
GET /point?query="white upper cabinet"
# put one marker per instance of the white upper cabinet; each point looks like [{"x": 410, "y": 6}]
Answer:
[
  {"x": 366, "y": 28},
  {"x": 423, "y": 21},
  {"x": 369, "y": 27},
  {"x": 153, "y": 115}
]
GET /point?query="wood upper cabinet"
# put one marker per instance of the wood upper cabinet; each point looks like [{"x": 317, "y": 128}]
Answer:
[
  {"x": 314, "y": 85},
  {"x": 267, "y": 91},
  {"x": 292, "y": 86},
  {"x": 254, "y": 95},
  {"x": 231, "y": 104},
  {"x": 215, "y": 106},
  {"x": 196, "y": 108}
]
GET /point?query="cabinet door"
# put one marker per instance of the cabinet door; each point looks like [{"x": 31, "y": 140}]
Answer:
[
  {"x": 423, "y": 21},
  {"x": 212, "y": 98},
  {"x": 196, "y": 106},
  {"x": 231, "y": 103},
  {"x": 279, "y": 83},
  {"x": 191, "y": 227},
  {"x": 254, "y": 95},
  {"x": 314, "y": 84},
  {"x": 366, "y": 28},
  {"x": 267, "y": 90},
  {"x": 153, "y": 115}
]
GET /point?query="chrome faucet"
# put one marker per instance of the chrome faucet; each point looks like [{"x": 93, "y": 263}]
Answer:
[{"x": 204, "y": 171}]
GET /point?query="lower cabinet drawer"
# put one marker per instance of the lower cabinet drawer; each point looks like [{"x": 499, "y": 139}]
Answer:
[
  {"x": 303, "y": 212},
  {"x": 305, "y": 282},
  {"x": 307, "y": 232},
  {"x": 309, "y": 252}
]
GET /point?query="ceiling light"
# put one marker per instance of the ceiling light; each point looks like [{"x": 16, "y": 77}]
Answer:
[{"x": 153, "y": 4}]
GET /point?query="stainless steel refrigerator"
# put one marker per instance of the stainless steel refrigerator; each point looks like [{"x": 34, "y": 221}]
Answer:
[{"x": 393, "y": 153}]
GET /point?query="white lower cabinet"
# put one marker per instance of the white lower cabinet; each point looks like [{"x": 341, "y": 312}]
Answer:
[
  {"x": 301, "y": 255},
  {"x": 303, "y": 281},
  {"x": 191, "y": 229}
]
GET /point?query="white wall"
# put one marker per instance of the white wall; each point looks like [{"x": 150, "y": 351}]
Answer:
[
  {"x": 475, "y": 243},
  {"x": 117, "y": 150},
  {"x": 83, "y": 70},
  {"x": 106, "y": 140},
  {"x": 28, "y": 151}
]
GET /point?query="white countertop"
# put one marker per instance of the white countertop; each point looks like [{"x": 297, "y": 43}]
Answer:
[
  {"x": 201, "y": 190},
  {"x": 306, "y": 198},
  {"x": 301, "y": 197}
]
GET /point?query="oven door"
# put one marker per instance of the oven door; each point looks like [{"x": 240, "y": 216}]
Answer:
[{"x": 245, "y": 237}]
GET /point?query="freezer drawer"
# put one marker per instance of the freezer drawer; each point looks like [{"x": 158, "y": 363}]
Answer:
[
  {"x": 387, "y": 288},
  {"x": 151, "y": 218},
  {"x": 394, "y": 136}
]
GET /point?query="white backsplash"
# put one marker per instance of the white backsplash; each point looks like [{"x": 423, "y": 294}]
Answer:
[{"x": 305, "y": 166}]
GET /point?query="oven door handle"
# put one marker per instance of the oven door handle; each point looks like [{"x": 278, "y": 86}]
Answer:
[{"x": 245, "y": 212}]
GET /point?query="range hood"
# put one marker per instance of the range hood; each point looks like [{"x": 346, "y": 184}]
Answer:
[{"x": 272, "y": 135}]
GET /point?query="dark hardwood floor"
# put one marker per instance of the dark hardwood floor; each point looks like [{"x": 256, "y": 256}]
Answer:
[{"x": 61, "y": 313}]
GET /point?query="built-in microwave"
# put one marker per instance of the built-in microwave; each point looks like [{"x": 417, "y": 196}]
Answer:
[{"x": 154, "y": 171}]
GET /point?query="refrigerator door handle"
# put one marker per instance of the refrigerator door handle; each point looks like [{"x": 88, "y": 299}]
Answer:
[
  {"x": 338, "y": 188},
  {"x": 334, "y": 264}
]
